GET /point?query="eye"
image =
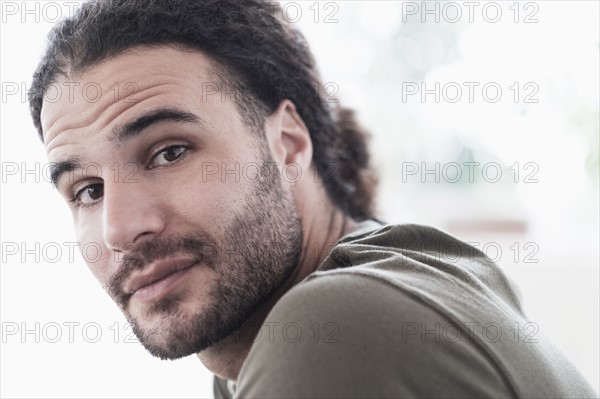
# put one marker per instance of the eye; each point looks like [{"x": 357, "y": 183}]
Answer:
[
  {"x": 88, "y": 195},
  {"x": 168, "y": 155}
]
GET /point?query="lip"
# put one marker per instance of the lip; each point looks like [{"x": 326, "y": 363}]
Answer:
[{"x": 158, "y": 279}]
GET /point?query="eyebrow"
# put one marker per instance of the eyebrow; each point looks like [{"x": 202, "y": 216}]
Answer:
[
  {"x": 131, "y": 129},
  {"x": 126, "y": 132},
  {"x": 58, "y": 169}
]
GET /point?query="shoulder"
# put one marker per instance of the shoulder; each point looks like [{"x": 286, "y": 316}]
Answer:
[{"x": 350, "y": 335}]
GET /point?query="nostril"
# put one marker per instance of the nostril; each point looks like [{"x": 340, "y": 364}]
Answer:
[{"x": 114, "y": 248}]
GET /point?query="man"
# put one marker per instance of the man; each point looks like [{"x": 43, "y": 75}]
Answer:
[{"x": 234, "y": 208}]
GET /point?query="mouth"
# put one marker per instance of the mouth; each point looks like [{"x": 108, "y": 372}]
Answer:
[{"x": 159, "y": 279}]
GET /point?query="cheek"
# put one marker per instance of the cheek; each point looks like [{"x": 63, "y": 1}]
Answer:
[
  {"x": 210, "y": 198},
  {"x": 95, "y": 253}
]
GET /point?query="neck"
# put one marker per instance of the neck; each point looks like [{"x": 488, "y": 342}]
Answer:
[{"x": 225, "y": 359}]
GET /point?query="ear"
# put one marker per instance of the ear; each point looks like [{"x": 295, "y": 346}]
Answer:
[{"x": 288, "y": 136}]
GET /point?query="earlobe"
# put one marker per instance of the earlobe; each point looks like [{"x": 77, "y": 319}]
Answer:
[{"x": 291, "y": 138}]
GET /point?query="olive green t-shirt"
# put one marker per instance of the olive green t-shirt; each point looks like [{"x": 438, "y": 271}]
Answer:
[{"x": 403, "y": 311}]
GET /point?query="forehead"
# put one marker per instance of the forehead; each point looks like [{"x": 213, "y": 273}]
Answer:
[{"x": 136, "y": 80}]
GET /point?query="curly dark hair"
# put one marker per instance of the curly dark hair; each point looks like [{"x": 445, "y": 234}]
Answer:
[{"x": 255, "y": 50}]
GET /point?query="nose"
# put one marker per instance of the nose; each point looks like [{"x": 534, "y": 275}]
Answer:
[{"x": 131, "y": 215}]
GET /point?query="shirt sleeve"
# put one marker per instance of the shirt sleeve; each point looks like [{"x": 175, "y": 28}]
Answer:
[{"x": 352, "y": 336}]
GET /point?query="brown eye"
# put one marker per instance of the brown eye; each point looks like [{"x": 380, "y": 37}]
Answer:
[
  {"x": 90, "y": 194},
  {"x": 168, "y": 155}
]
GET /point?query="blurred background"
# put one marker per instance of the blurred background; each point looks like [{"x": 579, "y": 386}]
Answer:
[{"x": 485, "y": 123}]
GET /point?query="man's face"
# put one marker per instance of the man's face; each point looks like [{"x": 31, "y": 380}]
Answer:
[{"x": 195, "y": 226}]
